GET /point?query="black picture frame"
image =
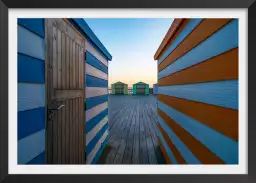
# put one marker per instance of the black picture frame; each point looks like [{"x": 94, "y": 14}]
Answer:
[{"x": 6, "y": 4}]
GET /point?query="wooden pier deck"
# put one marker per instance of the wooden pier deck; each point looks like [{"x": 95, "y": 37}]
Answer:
[{"x": 132, "y": 136}]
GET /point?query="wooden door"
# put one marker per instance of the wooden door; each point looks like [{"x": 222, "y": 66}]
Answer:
[
  {"x": 140, "y": 90},
  {"x": 65, "y": 52}
]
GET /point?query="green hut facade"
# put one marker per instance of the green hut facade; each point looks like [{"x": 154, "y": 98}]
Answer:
[
  {"x": 140, "y": 88},
  {"x": 119, "y": 88}
]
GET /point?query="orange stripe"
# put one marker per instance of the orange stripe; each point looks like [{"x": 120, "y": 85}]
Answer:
[
  {"x": 221, "y": 119},
  {"x": 169, "y": 35},
  {"x": 205, "y": 29},
  {"x": 166, "y": 157},
  {"x": 199, "y": 150},
  {"x": 174, "y": 150},
  {"x": 221, "y": 67}
]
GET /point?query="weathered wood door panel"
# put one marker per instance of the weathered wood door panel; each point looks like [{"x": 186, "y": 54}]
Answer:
[{"x": 65, "y": 93}]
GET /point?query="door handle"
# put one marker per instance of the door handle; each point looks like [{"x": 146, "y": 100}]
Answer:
[
  {"x": 52, "y": 110},
  {"x": 56, "y": 108}
]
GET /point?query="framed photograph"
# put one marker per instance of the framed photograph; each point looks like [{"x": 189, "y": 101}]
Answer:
[{"x": 127, "y": 88}]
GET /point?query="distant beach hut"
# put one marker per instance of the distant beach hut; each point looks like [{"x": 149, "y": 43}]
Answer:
[
  {"x": 140, "y": 88},
  {"x": 119, "y": 88}
]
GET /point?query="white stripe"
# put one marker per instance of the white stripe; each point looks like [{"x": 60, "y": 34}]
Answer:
[
  {"x": 90, "y": 135},
  {"x": 95, "y": 91},
  {"x": 30, "y": 96},
  {"x": 31, "y": 146},
  {"x": 30, "y": 43},
  {"x": 95, "y": 72},
  {"x": 95, "y": 53},
  {"x": 95, "y": 110},
  {"x": 96, "y": 148}
]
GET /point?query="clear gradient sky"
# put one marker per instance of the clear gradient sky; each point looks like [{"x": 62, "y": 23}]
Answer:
[{"x": 132, "y": 44}]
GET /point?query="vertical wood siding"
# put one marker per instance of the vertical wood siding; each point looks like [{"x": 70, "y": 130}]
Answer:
[
  {"x": 31, "y": 91},
  {"x": 198, "y": 93}
]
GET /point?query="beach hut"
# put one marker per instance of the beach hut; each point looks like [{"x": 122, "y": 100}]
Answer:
[
  {"x": 155, "y": 89},
  {"x": 140, "y": 88},
  {"x": 62, "y": 92},
  {"x": 119, "y": 88},
  {"x": 198, "y": 92}
]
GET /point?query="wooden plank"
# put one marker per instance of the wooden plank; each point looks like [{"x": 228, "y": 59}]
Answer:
[
  {"x": 49, "y": 84},
  {"x": 127, "y": 157},
  {"x": 143, "y": 145},
  {"x": 55, "y": 57},
  {"x": 62, "y": 94},
  {"x": 71, "y": 131},
  {"x": 116, "y": 115},
  {"x": 80, "y": 129},
  {"x": 74, "y": 66},
  {"x": 63, "y": 131},
  {"x": 150, "y": 146},
  {"x": 77, "y": 65},
  {"x": 67, "y": 108},
  {"x": 76, "y": 130},
  {"x": 70, "y": 64},
  {"x": 152, "y": 128},
  {"x": 136, "y": 145},
  {"x": 59, "y": 136},
  {"x": 115, "y": 139},
  {"x": 81, "y": 66},
  {"x": 67, "y": 62},
  {"x": 121, "y": 149},
  {"x": 63, "y": 60},
  {"x": 122, "y": 132},
  {"x": 59, "y": 70}
]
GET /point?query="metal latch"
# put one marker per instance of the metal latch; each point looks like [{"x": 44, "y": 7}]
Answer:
[{"x": 53, "y": 110}]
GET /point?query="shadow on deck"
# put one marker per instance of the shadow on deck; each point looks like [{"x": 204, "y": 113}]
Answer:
[{"x": 132, "y": 136}]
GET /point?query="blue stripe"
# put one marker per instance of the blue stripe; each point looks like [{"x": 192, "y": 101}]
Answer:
[
  {"x": 30, "y": 69},
  {"x": 222, "y": 41},
  {"x": 94, "y": 101},
  {"x": 92, "y": 81},
  {"x": 166, "y": 147},
  {"x": 220, "y": 93},
  {"x": 30, "y": 121},
  {"x": 192, "y": 24},
  {"x": 30, "y": 96},
  {"x": 185, "y": 152},
  {"x": 224, "y": 147},
  {"x": 98, "y": 154},
  {"x": 83, "y": 27},
  {"x": 93, "y": 61},
  {"x": 95, "y": 140},
  {"x": 35, "y": 25},
  {"x": 30, "y": 43},
  {"x": 31, "y": 146},
  {"x": 38, "y": 160},
  {"x": 95, "y": 120}
]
